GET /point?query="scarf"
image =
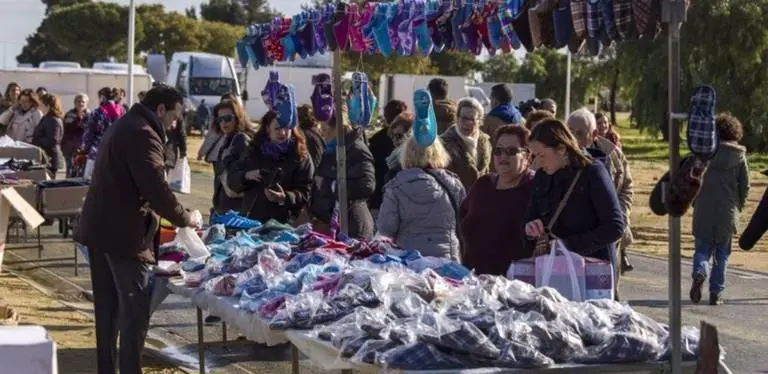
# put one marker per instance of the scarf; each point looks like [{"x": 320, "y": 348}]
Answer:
[
  {"x": 507, "y": 113},
  {"x": 469, "y": 141},
  {"x": 393, "y": 160},
  {"x": 276, "y": 151}
]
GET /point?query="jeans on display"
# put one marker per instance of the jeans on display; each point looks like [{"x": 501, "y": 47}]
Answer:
[
  {"x": 121, "y": 300},
  {"x": 719, "y": 253}
]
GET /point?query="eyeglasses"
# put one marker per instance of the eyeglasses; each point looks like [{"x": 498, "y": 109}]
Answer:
[
  {"x": 509, "y": 151},
  {"x": 225, "y": 118},
  {"x": 467, "y": 118}
]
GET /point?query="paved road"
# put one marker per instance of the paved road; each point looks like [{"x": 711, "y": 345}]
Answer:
[{"x": 744, "y": 331}]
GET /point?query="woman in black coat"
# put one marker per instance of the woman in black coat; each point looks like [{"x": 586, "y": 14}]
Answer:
[
  {"x": 230, "y": 121},
  {"x": 591, "y": 221},
  {"x": 274, "y": 173},
  {"x": 361, "y": 182},
  {"x": 176, "y": 147}
]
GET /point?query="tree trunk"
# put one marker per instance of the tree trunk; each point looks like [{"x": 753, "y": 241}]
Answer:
[{"x": 614, "y": 92}]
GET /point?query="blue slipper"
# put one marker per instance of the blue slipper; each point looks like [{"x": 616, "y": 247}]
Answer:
[
  {"x": 425, "y": 122},
  {"x": 285, "y": 105}
]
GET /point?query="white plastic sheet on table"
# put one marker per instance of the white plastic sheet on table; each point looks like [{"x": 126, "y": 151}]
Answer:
[{"x": 253, "y": 327}]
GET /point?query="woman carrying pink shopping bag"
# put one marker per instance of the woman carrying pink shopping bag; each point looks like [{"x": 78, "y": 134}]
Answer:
[{"x": 573, "y": 197}]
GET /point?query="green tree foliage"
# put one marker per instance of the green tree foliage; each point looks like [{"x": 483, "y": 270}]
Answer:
[
  {"x": 455, "y": 63},
  {"x": 502, "y": 68},
  {"x": 166, "y": 33},
  {"x": 218, "y": 37},
  {"x": 376, "y": 65},
  {"x": 237, "y": 12},
  {"x": 99, "y": 34},
  {"x": 50, "y": 5}
]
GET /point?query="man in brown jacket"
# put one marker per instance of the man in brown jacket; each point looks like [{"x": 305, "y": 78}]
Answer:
[
  {"x": 583, "y": 125},
  {"x": 120, "y": 221},
  {"x": 445, "y": 108}
]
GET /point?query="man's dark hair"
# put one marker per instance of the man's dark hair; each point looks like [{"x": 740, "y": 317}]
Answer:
[
  {"x": 393, "y": 109},
  {"x": 162, "y": 94},
  {"x": 502, "y": 93},
  {"x": 438, "y": 88}
]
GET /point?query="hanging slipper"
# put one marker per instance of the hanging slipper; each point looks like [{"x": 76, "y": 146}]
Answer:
[
  {"x": 685, "y": 185},
  {"x": 270, "y": 91},
  {"x": 445, "y": 29},
  {"x": 534, "y": 25},
  {"x": 470, "y": 30},
  {"x": 395, "y": 15},
  {"x": 481, "y": 22},
  {"x": 702, "y": 136},
  {"x": 563, "y": 24},
  {"x": 495, "y": 34},
  {"x": 510, "y": 36},
  {"x": 622, "y": 12},
  {"x": 307, "y": 35},
  {"x": 322, "y": 97},
  {"x": 547, "y": 26},
  {"x": 341, "y": 26},
  {"x": 647, "y": 14},
  {"x": 522, "y": 26},
  {"x": 257, "y": 46},
  {"x": 405, "y": 29},
  {"x": 457, "y": 21},
  {"x": 298, "y": 45},
  {"x": 272, "y": 46},
  {"x": 318, "y": 31},
  {"x": 425, "y": 122},
  {"x": 368, "y": 43},
  {"x": 329, "y": 19},
  {"x": 289, "y": 48},
  {"x": 433, "y": 14},
  {"x": 608, "y": 20},
  {"x": 359, "y": 103},
  {"x": 243, "y": 55},
  {"x": 421, "y": 31},
  {"x": 285, "y": 106},
  {"x": 379, "y": 30},
  {"x": 356, "y": 40}
]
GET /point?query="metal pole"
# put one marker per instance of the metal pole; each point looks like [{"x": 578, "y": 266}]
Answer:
[
  {"x": 674, "y": 19},
  {"x": 568, "y": 87},
  {"x": 341, "y": 147},
  {"x": 131, "y": 45}
]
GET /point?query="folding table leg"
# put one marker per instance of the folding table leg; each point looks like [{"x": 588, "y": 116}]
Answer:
[
  {"x": 39, "y": 244},
  {"x": 295, "y": 360},
  {"x": 76, "y": 263},
  {"x": 200, "y": 341},
  {"x": 224, "y": 333}
]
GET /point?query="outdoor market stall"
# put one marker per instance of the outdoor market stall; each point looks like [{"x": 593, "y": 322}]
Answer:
[{"x": 410, "y": 27}]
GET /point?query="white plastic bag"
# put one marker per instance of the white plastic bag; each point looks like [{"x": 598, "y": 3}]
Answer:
[
  {"x": 180, "y": 177},
  {"x": 88, "y": 171},
  {"x": 562, "y": 270},
  {"x": 187, "y": 238}
]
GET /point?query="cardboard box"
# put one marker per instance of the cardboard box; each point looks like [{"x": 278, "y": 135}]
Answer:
[
  {"x": 11, "y": 200},
  {"x": 27, "y": 349}
]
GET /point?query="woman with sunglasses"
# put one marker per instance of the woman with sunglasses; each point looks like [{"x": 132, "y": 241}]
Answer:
[
  {"x": 492, "y": 214},
  {"x": 230, "y": 122}
]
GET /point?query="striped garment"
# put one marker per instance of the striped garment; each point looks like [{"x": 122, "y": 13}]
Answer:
[
  {"x": 622, "y": 11},
  {"x": 579, "y": 16},
  {"x": 594, "y": 19}
]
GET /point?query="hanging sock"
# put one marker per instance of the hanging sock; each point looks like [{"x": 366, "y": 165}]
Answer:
[
  {"x": 289, "y": 48},
  {"x": 444, "y": 23},
  {"x": 457, "y": 21},
  {"x": 298, "y": 44},
  {"x": 243, "y": 55},
  {"x": 359, "y": 103},
  {"x": 594, "y": 19},
  {"x": 379, "y": 28},
  {"x": 356, "y": 39},
  {"x": 317, "y": 31},
  {"x": 491, "y": 13},
  {"x": 307, "y": 36},
  {"x": 270, "y": 91},
  {"x": 368, "y": 42},
  {"x": 432, "y": 16},
  {"x": 481, "y": 22},
  {"x": 322, "y": 97},
  {"x": 702, "y": 136},
  {"x": 608, "y": 20},
  {"x": 285, "y": 106},
  {"x": 471, "y": 31},
  {"x": 425, "y": 122},
  {"x": 563, "y": 23},
  {"x": 399, "y": 13},
  {"x": 622, "y": 12}
]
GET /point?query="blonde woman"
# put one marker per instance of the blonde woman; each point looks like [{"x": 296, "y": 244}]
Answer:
[
  {"x": 49, "y": 133},
  {"x": 24, "y": 117},
  {"x": 420, "y": 205}
]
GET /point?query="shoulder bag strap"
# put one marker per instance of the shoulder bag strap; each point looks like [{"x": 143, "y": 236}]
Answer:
[
  {"x": 454, "y": 204},
  {"x": 564, "y": 201}
]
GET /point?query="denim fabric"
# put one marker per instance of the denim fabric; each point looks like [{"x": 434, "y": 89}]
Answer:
[{"x": 719, "y": 254}]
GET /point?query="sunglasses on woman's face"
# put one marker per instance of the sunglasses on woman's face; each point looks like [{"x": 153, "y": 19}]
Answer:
[
  {"x": 509, "y": 151},
  {"x": 225, "y": 118}
]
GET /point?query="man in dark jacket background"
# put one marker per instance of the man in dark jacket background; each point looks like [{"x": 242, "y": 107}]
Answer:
[
  {"x": 503, "y": 112},
  {"x": 120, "y": 221}
]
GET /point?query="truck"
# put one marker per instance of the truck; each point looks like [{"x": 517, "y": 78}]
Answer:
[
  {"x": 521, "y": 92},
  {"x": 69, "y": 82},
  {"x": 198, "y": 76}
]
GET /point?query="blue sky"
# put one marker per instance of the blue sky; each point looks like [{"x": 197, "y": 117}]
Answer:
[{"x": 20, "y": 18}]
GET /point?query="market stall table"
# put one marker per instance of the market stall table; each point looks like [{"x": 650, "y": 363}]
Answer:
[{"x": 253, "y": 327}]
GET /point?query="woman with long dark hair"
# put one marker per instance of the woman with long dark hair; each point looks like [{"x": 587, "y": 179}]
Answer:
[
  {"x": 49, "y": 133},
  {"x": 274, "y": 174},
  {"x": 591, "y": 220},
  {"x": 230, "y": 121},
  {"x": 74, "y": 128}
]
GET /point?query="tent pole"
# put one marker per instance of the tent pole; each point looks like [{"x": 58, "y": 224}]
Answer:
[
  {"x": 131, "y": 47},
  {"x": 567, "y": 105},
  {"x": 341, "y": 154},
  {"x": 674, "y": 16}
]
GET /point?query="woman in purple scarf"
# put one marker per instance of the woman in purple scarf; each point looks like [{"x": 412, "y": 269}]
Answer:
[{"x": 275, "y": 173}]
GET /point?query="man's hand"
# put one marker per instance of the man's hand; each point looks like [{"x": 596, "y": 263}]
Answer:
[{"x": 534, "y": 229}]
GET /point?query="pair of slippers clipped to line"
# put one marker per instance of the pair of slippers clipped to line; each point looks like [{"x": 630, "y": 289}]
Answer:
[{"x": 703, "y": 141}]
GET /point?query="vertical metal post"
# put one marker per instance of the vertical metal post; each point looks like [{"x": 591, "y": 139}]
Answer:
[
  {"x": 131, "y": 45},
  {"x": 567, "y": 105},
  {"x": 200, "y": 341},
  {"x": 674, "y": 17},
  {"x": 341, "y": 147}
]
